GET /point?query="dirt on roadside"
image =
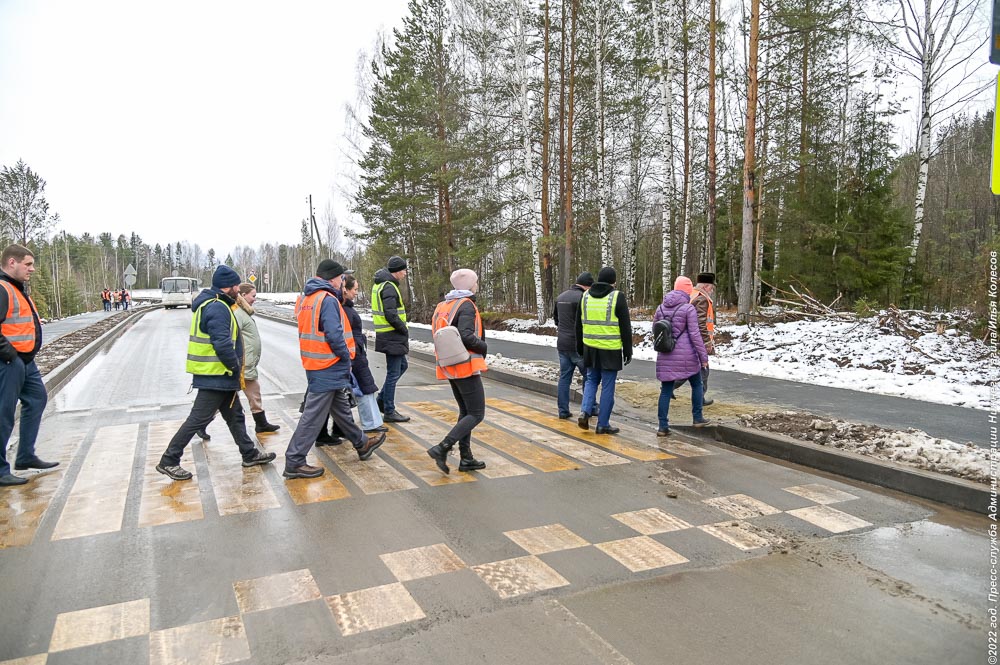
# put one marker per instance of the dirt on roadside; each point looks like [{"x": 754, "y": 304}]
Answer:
[{"x": 57, "y": 352}]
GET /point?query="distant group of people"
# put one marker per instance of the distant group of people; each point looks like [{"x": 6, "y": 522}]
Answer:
[{"x": 120, "y": 299}]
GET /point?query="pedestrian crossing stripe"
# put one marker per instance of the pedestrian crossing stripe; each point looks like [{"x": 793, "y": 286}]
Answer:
[{"x": 515, "y": 440}]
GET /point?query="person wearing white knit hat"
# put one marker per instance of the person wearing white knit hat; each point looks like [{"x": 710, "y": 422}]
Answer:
[{"x": 465, "y": 375}]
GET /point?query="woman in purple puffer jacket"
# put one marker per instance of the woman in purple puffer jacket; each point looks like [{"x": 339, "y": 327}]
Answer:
[{"x": 684, "y": 363}]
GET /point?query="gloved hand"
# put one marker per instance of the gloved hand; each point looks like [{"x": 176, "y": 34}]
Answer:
[
  {"x": 8, "y": 353},
  {"x": 627, "y": 359}
]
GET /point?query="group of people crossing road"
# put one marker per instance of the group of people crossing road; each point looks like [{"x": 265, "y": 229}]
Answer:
[{"x": 224, "y": 348}]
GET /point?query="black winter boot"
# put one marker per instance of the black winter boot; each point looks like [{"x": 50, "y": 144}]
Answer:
[
  {"x": 325, "y": 439},
  {"x": 468, "y": 462},
  {"x": 264, "y": 427},
  {"x": 439, "y": 454}
]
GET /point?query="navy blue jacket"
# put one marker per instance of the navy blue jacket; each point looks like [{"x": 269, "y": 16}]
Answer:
[
  {"x": 217, "y": 322},
  {"x": 359, "y": 368},
  {"x": 338, "y": 375}
]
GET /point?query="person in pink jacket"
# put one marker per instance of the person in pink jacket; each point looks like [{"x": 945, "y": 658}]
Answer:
[{"x": 687, "y": 359}]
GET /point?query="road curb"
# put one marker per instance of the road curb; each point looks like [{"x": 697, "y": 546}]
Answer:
[
  {"x": 947, "y": 490},
  {"x": 955, "y": 492},
  {"x": 56, "y": 379}
]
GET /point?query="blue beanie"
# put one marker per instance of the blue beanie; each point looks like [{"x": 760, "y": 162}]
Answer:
[{"x": 224, "y": 277}]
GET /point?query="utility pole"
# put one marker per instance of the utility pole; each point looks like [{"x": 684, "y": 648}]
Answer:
[{"x": 315, "y": 227}]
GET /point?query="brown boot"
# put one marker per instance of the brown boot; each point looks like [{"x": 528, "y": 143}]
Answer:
[{"x": 372, "y": 442}]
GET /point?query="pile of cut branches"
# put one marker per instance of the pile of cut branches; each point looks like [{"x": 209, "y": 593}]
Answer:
[{"x": 797, "y": 304}]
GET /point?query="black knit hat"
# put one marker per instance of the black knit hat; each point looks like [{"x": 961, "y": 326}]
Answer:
[
  {"x": 607, "y": 275},
  {"x": 706, "y": 278},
  {"x": 585, "y": 279},
  {"x": 396, "y": 263},
  {"x": 329, "y": 269},
  {"x": 225, "y": 277}
]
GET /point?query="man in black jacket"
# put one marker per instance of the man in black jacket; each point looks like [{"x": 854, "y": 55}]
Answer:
[
  {"x": 565, "y": 312},
  {"x": 20, "y": 380},
  {"x": 391, "y": 334}
]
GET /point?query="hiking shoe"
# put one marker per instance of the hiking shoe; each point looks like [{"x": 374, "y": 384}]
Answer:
[
  {"x": 607, "y": 430},
  {"x": 663, "y": 431},
  {"x": 304, "y": 471},
  {"x": 203, "y": 435},
  {"x": 708, "y": 402},
  {"x": 174, "y": 472},
  {"x": 376, "y": 430},
  {"x": 259, "y": 458},
  {"x": 702, "y": 423},
  {"x": 471, "y": 464},
  {"x": 395, "y": 417},
  {"x": 583, "y": 421},
  {"x": 565, "y": 416},
  {"x": 371, "y": 445},
  {"x": 326, "y": 440}
]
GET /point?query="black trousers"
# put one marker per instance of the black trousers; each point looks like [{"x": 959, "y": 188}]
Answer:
[
  {"x": 206, "y": 403},
  {"x": 471, "y": 399}
]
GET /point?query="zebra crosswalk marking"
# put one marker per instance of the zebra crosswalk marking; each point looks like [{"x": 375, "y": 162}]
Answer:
[
  {"x": 431, "y": 429},
  {"x": 24, "y": 506},
  {"x": 96, "y": 504},
  {"x": 413, "y": 456},
  {"x": 237, "y": 489},
  {"x": 302, "y": 490},
  {"x": 616, "y": 444},
  {"x": 163, "y": 500},
  {"x": 563, "y": 444},
  {"x": 524, "y": 451}
]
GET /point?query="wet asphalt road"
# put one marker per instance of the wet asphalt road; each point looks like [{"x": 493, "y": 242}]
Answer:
[{"x": 105, "y": 561}]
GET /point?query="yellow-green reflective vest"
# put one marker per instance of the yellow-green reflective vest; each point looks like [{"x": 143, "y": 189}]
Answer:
[
  {"x": 600, "y": 323},
  {"x": 201, "y": 358},
  {"x": 378, "y": 314}
]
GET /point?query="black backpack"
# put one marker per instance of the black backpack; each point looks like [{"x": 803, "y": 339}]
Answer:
[{"x": 663, "y": 334}]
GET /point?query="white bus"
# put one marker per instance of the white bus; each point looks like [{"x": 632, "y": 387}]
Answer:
[{"x": 179, "y": 291}]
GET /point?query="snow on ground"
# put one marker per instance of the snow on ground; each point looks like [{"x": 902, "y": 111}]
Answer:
[
  {"x": 912, "y": 447},
  {"x": 948, "y": 369}
]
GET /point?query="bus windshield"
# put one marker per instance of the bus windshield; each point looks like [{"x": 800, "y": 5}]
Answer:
[{"x": 177, "y": 285}]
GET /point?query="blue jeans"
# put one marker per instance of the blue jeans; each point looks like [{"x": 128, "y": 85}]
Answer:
[
  {"x": 20, "y": 382},
  {"x": 395, "y": 368},
  {"x": 368, "y": 412},
  {"x": 568, "y": 363},
  {"x": 606, "y": 377},
  {"x": 667, "y": 393}
]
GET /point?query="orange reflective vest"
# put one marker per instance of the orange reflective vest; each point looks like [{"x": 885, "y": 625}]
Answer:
[
  {"x": 19, "y": 323},
  {"x": 313, "y": 347},
  {"x": 476, "y": 362},
  {"x": 710, "y": 318}
]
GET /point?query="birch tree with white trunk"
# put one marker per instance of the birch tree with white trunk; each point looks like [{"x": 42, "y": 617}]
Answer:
[
  {"x": 941, "y": 47},
  {"x": 533, "y": 203},
  {"x": 665, "y": 98}
]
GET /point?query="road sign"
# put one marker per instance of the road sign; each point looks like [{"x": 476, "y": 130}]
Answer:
[
  {"x": 252, "y": 272},
  {"x": 995, "y": 166},
  {"x": 129, "y": 280},
  {"x": 252, "y": 278},
  {"x": 130, "y": 270}
]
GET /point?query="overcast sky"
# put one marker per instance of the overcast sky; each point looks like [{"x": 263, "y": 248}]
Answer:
[{"x": 204, "y": 121}]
